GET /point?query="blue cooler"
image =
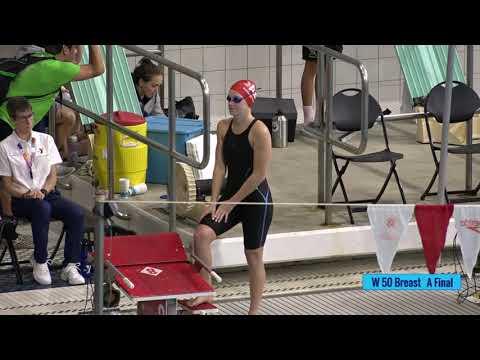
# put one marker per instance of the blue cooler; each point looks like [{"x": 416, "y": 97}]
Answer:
[{"x": 157, "y": 130}]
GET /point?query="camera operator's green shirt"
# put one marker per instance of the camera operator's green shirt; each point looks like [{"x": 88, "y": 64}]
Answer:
[{"x": 44, "y": 79}]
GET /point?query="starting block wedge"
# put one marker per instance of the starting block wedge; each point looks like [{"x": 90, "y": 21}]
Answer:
[{"x": 202, "y": 309}]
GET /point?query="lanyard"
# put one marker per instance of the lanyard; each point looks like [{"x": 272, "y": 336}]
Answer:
[{"x": 28, "y": 157}]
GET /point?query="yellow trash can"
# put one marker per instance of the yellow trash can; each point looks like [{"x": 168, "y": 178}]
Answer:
[{"x": 130, "y": 155}]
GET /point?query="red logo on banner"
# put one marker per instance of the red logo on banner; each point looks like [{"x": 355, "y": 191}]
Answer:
[
  {"x": 391, "y": 222},
  {"x": 432, "y": 222},
  {"x": 471, "y": 224}
]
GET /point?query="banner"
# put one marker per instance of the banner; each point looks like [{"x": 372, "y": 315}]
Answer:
[
  {"x": 389, "y": 225},
  {"x": 467, "y": 223},
  {"x": 432, "y": 222}
]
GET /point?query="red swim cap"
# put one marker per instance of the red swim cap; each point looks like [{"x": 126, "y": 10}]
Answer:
[{"x": 247, "y": 89}]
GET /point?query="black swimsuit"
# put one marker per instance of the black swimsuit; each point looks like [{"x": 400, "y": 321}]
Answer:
[{"x": 255, "y": 219}]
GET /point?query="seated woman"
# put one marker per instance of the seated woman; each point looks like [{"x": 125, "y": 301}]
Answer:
[{"x": 147, "y": 78}]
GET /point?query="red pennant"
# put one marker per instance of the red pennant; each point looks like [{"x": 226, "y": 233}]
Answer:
[{"x": 432, "y": 222}]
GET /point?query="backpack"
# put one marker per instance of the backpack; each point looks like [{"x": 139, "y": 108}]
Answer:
[
  {"x": 10, "y": 68},
  {"x": 185, "y": 109}
]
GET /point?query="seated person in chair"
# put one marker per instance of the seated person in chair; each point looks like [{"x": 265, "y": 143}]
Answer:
[{"x": 27, "y": 165}]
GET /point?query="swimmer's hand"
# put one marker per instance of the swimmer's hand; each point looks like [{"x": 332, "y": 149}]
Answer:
[
  {"x": 209, "y": 209},
  {"x": 222, "y": 212}
]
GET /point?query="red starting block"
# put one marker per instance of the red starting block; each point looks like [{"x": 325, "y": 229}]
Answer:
[{"x": 158, "y": 268}]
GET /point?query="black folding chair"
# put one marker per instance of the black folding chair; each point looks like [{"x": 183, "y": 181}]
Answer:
[
  {"x": 8, "y": 235},
  {"x": 465, "y": 102},
  {"x": 346, "y": 116}
]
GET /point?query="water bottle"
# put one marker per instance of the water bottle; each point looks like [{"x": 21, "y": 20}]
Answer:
[
  {"x": 279, "y": 130},
  {"x": 138, "y": 189}
]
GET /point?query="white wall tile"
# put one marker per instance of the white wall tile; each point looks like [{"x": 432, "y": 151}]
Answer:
[
  {"x": 192, "y": 59},
  {"x": 171, "y": 47},
  {"x": 173, "y": 55},
  {"x": 374, "y": 90},
  {"x": 214, "y": 58},
  {"x": 198, "y": 102},
  {"x": 258, "y": 56},
  {"x": 132, "y": 62},
  {"x": 365, "y": 52},
  {"x": 260, "y": 76},
  {"x": 387, "y": 51},
  {"x": 189, "y": 86},
  {"x": 350, "y": 50},
  {"x": 217, "y": 109},
  {"x": 216, "y": 82},
  {"x": 235, "y": 75},
  {"x": 297, "y": 55},
  {"x": 345, "y": 73},
  {"x": 236, "y": 57},
  {"x": 390, "y": 97},
  {"x": 372, "y": 69},
  {"x": 389, "y": 69},
  {"x": 191, "y": 46},
  {"x": 476, "y": 62},
  {"x": 286, "y": 77},
  {"x": 177, "y": 86},
  {"x": 286, "y": 55}
]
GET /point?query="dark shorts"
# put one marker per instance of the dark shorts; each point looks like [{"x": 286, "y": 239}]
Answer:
[
  {"x": 6, "y": 130},
  {"x": 255, "y": 219},
  {"x": 311, "y": 55}
]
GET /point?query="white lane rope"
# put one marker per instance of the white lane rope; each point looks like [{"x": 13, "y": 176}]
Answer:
[{"x": 316, "y": 204}]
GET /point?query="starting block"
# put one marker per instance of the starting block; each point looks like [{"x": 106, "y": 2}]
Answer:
[{"x": 153, "y": 270}]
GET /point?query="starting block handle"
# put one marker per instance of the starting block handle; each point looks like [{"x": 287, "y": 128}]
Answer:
[
  {"x": 125, "y": 280},
  {"x": 210, "y": 271}
]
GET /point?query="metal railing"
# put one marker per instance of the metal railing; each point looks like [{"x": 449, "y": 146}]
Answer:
[
  {"x": 322, "y": 126},
  {"x": 170, "y": 150},
  {"x": 323, "y": 119},
  {"x": 156, "y": 52},
  {"x": 326, "y": 54}
]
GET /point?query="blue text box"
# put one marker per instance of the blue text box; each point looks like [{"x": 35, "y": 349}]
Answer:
[{"x": 411, "y": 282}]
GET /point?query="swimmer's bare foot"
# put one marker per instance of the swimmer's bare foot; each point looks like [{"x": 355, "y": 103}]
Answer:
[{"x": 200, "y": 300}]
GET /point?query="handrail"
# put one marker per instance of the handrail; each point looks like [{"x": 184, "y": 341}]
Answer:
[
  {"x": 206, "y": 102},
  {"x": 157, "y": 52},
  {"x": 364, "y": 104}
]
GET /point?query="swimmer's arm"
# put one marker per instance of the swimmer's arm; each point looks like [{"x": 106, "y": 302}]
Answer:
[
  {"x": 262, "y": 154},
  {"x": 219, "y": 169}
]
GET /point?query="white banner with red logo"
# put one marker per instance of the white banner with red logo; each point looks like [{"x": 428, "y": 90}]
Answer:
[
  {"x": 467, "y": 222},
  {"x": 389, "y": 226}
]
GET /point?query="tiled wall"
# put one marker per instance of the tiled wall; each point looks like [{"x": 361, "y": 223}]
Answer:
[{"x": 223, "y": 64}]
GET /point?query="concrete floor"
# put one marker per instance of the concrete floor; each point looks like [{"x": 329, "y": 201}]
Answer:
[{"x": 293, "y": 178}]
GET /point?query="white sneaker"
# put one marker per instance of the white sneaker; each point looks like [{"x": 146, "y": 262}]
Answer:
[
  {"x": 70, "y": 273},
  {"x": 41, "y": 274}
]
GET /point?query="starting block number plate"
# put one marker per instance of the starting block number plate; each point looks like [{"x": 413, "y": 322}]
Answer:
[{"x": 150, "y": 271}]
